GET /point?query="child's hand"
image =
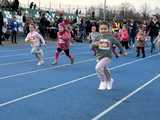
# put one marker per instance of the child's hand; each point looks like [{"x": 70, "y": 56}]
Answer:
[
  {"x": 125, "y": 53},
  {"x": 44, "y": 43},
  {"x": 28, "y": 41},
  {"x": 96, "y": 42}
]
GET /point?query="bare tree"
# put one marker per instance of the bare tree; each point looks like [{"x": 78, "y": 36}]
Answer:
[
  {"x": 145, "y": 11},
  {"x": 156, "y": 11},
  {"x": 125, "y": 9}
]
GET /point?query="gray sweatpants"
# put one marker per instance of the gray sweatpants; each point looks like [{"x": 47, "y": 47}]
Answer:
[
  {"x": 102, "y": 70},
  {"x": 38, "y": 52}
]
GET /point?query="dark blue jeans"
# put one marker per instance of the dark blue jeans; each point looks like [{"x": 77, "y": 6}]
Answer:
[{"x": 152, "y": 44}]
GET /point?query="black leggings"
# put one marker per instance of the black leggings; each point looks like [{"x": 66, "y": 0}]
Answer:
[
  {"x": 125, "y": 44},
  {"x": 142, "y": 51},
  {"x": 0, "y": 37},
  {"x": 14, "y": 37},
  {"x": 65, "y": 51}
]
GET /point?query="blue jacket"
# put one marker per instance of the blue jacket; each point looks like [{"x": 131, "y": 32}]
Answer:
[{"x": 14, "y": 26}]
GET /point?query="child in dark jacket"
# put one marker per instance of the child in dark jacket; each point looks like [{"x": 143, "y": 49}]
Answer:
[{"x": 14, "y": 29}]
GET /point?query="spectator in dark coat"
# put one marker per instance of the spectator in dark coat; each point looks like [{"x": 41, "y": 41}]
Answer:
[
  {"x": 1, "y": 26},
  {"x": 153, "y": 30}
]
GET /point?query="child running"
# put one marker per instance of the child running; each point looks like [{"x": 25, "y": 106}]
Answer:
[
  {"x": 63, "y": 43},
  {"x": 124, "y": 37},
  {"x": 103, "y": 49},
  {"x": 140, "y": 42},
  {"x": 35, "y": 39},
  {"x": 93, "y": 37}
]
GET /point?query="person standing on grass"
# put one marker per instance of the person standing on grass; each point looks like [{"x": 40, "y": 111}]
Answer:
[
  {"x": 63, "y": 43},
  {"x": 35, "y": 39},
  {"x": 103, "y": 49}
]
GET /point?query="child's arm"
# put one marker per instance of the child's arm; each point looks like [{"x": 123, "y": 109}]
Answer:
[
  {"x": 27, "y": 38},
  {"x": 69, "y": 36},
  {"x": 95, "y": 44},
  {"x": 118, "y": 44},
  {"x": 41, "y": 39}
]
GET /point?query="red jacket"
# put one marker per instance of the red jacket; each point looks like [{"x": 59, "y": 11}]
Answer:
[
  {"x": 124, "y": 36},
  {"x": 63, "y": 40}
]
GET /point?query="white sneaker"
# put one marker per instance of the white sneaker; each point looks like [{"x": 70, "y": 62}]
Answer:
[
  {"x": 133, "y": 45},
  {"x": 102, "y": 85},
  {"x": 110, "y": 83},
  {"x": 40, "y": 62}
]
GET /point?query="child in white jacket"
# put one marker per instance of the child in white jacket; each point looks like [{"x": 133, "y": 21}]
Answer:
[{"x": 35, "y": 39}]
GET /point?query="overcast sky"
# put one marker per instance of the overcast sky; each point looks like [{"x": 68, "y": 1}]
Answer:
[{"x": 82, "y": 3}]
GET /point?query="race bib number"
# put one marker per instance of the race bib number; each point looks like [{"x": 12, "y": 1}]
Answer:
[
  {"x": 61, "y": 41},
  {"x": 104, "y": 44}
]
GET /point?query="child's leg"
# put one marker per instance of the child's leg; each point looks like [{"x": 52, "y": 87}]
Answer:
[
  {"x": 40, "y": 55},
  {"x": 12, "y": 35},
  {"x": 143, "y": 52},
  {"x": 114, "y": 51},
  {"x": 93, "y": 49},
  {"x": 101, "y": 70},
  {"x": 133, "y": 41},
  {"x": 103, "y": 73},
  {"x": 15, "y": 37},
  {"x": 34, "y": 52},
  {"x": 69, "y": 55},
  {"x": 0, "y": 37},
  {"x": 56, "y": 55},
  {"x": 126, "y": 45},
  {"x": 138, "y": 52}
]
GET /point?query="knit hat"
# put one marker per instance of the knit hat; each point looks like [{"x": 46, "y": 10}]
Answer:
[{"x": 61, "y": 24}]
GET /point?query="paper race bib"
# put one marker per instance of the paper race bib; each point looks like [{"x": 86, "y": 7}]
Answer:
[
  {"x": 61, "y": 41},
  {"x": 104, "y": 44}
]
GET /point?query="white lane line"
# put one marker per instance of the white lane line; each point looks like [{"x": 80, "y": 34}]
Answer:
[
  {"x": 105, "y": 112},
  {"x": 22, "y": 49},
  {"x": 27, "y": 48},
  {"x": 44, "y": 69},
  {"x": 68, "y": 83},
  {"x": 26, "y": 61},
  {"x": 16, "y": 55}
]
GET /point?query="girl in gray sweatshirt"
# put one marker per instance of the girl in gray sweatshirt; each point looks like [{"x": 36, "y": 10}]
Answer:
[{"x": 103, "y": 48}]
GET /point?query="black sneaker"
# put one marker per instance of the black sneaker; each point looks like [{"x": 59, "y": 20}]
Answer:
[
  {"x": 143, "y": 56},
  {"x": 72, "y": 60}
]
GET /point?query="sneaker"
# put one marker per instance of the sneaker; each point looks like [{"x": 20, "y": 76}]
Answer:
[
  {"x": 103, "y": 85},
  {"x": 143, "y": 56},
  {"x": 54, "y": 63},
  {"x": 110, "y": 83},
  {"x": 72, "y": 60},
  {"x": 40, "y": 63}
]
